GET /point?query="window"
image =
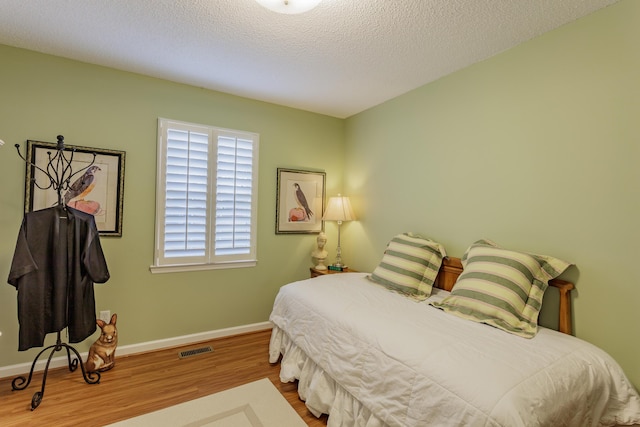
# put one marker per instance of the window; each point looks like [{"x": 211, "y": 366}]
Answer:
[{"x": 206, "y": 197}]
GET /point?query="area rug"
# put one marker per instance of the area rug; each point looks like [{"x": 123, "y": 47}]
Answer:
[{"x": 256, "y": 404}]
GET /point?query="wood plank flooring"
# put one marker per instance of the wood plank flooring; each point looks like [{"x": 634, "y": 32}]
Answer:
[{"x": 147, "y": 382}]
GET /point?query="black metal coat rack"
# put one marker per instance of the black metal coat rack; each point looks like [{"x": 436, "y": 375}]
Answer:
[{"x": 59, "y": 172}]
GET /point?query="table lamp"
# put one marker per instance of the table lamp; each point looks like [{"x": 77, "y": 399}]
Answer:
[{"x": 338, "y": 209}]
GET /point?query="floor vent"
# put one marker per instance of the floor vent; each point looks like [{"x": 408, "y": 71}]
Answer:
[{"x": 195, "y": 352}]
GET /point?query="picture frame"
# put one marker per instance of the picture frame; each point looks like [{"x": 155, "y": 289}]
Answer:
[
  {"x": 104, "y": 199},
  {"x": 292, "y": 215}
]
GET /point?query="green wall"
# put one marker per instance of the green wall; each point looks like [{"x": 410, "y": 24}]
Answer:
[
  {"x": 537, "y": 148},
  {"x": 43, "y": 96}
]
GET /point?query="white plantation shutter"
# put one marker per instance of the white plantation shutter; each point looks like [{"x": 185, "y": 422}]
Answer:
[
  {"x": 185, "y": 219},
  {"x": 206, "y": 197},
  {"x": 234, "y": 196}
]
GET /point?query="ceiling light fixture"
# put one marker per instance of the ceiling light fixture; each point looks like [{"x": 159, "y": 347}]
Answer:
[{"x": 289, "y": 7}]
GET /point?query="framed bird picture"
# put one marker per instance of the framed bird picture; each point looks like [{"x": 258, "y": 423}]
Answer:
[
  {"x": 299, "y": 201},
  {"x": 93, "y": 182}
]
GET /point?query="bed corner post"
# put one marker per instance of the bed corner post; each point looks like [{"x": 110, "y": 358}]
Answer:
[{"x": 564, "y": 320}]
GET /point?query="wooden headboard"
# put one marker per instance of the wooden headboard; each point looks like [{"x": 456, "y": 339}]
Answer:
[{"x": 452, "y": 268}]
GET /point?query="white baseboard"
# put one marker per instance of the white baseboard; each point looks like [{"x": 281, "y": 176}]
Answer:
[{"x": 57, "y": 362}]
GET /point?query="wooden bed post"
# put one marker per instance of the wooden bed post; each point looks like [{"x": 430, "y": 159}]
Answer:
[
  {"x": 450, "y": 269},
  {"x": 564, "y": 320}
]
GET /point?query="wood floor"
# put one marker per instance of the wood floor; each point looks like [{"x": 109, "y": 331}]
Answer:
[{"x": 147, "y": 382}]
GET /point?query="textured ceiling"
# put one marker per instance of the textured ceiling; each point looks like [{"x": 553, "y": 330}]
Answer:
[{"x": 340, "y": 58}]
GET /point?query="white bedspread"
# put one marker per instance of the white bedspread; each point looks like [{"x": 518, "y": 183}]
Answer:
[{"x": 372, "y": 357}]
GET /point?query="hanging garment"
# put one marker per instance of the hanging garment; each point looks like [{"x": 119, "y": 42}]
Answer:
[{"x": 58, "y": 258}]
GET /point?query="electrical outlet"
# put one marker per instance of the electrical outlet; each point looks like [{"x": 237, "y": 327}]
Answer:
[{"x": 105, "y": 315}]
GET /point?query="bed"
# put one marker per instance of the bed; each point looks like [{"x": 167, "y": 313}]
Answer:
[{"x": 368, "y": 356}]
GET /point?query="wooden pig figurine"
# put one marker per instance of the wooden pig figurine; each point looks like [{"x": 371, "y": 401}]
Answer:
[{"x": 102, "y": 354}]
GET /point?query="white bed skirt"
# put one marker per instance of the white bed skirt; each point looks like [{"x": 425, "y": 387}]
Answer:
[{"x": 321, "y": 393}]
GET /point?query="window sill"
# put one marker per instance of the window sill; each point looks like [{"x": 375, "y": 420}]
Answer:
[{"x": 155, "y": 269}]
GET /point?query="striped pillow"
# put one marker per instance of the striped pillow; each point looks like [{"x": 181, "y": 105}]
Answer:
[
  {"x": 409, "y": 265},
  {"x": 502, "y": 288}
]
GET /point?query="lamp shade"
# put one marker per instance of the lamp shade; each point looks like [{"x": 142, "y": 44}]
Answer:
[
  {"x": 289, "y": 7},
  {"x": 339, "y": 209}
]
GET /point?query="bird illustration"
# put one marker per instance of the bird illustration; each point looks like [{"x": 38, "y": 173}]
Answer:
[
  {"x": 81, "y": 186},
  {"x": 302, "y": 200}
]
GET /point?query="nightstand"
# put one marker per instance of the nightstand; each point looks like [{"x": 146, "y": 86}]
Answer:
[{"x": 316, "y": 273}]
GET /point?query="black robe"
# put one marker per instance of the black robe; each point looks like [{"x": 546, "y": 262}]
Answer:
[{"x": 54, "y": 274}]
